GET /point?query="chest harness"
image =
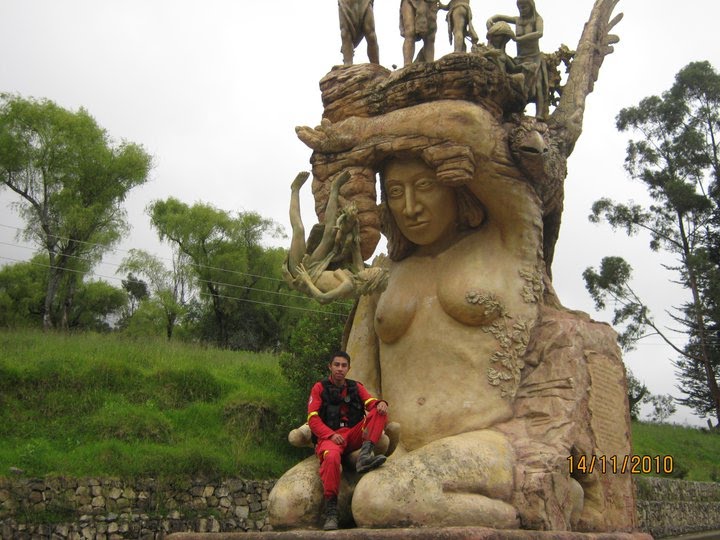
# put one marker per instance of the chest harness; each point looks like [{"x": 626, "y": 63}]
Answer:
[{"x": 332, "y": 401}]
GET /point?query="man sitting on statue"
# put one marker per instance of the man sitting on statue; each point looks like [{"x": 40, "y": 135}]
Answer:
[{"x": 338, "y": 420}]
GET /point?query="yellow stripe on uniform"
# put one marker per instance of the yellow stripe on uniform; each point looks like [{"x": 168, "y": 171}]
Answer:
[
  {"x": 369, "y": 400},
  {"x": 312, "y": 414}
]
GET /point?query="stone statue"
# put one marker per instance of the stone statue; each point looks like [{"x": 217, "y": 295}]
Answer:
[
  {"x": 418, "y": 22},
  {"x": 306, "y": 268},
  {"x": 529, "y": 29},
  {"x": 357, "y": 21},
  {"x": 493, "y": 385},
  {"x": 459, "y": 19}
]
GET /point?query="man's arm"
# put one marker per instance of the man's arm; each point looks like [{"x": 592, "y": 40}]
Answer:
[
  {"x": 370, "y": 401},
  {"x": 317, "y": 426}
]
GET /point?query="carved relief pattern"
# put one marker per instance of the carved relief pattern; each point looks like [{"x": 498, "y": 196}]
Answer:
[
  {"x": 534, "y": 288},
  {"x": 512, "y": 336}
]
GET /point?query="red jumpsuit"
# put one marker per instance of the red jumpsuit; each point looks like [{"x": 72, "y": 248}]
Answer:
[{"x": 329, "y": 453}]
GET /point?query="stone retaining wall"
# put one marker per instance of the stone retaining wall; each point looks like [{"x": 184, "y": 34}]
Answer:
[
  {"x": 673, "y": 507},
  {"x": 147, "y": 509},
  {"x": 112, "y": 509}
]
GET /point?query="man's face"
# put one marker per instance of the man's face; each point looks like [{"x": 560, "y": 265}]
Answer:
[{"x": 339, "y": 368}]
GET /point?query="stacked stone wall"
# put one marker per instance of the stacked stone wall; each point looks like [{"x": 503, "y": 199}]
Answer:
[
  {"x": 113, "y": 509},
  {"x": 148, "y": 509},
  {"x": 674, "y": 507}
]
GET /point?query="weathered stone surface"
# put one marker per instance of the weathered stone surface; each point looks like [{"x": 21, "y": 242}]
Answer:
[{"x": 449, "y": 533}]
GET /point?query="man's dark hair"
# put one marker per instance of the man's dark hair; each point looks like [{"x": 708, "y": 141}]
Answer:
[{"x": 341, "y": 354}]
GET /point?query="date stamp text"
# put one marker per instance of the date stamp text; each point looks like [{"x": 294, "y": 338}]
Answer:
[{"x": 632, "y": 464}]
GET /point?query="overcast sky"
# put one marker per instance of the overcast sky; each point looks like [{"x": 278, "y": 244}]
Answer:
[{"x": 213, "y": 90}]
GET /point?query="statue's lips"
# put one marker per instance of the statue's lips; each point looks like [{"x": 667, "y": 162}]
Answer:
[{"x": 417, "y": 224}]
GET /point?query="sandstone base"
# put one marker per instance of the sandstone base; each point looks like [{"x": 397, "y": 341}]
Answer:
[{"x": 448, "y": 533}]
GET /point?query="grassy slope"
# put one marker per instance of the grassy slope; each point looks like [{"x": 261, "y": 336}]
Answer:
[
  {"x": 104, "y": 405},
  {"x": 694, "y": 452}
]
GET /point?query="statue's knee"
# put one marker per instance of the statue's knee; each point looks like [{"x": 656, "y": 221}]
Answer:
[{"x": 296, "y": 499}]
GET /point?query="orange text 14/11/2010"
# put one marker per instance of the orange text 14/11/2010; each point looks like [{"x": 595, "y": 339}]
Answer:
[{"x": 633, "y": 464}]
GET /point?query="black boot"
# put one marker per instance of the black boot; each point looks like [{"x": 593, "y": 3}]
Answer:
[
  {"x": 331, "y": 514},
  {"x": 367, "y": 461}
]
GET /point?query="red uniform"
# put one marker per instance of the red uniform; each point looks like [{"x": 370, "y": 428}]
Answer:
[{"x": 328, "y": 452}]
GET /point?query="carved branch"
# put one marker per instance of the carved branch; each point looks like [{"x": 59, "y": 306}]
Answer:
[{"x": 595, "y": 44}]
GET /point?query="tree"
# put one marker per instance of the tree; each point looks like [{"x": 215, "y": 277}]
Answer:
[
  {"x": 638, "y": 394},
  {"x": 21, "y": 292},
  {"x": 234, "y": 273},
  {"x": 71, "y": 180},
  {"x": 169, "y": 287},
  {"x": 98, "y": 306},
  {"x": 137, "y": 291},
  {"x": 676, "y": 157}
]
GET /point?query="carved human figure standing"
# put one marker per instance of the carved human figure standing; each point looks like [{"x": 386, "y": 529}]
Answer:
[
  {"x": 418, "y": 22},
  {"x": 459, "y": 19},
  {"x": 529, "y": 28},
  {"x": 357, "y": 21}
]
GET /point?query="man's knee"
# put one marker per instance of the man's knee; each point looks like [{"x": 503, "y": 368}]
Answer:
[{"x": 331, "y": 458}]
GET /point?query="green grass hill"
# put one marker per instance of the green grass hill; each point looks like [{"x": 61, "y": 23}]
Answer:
[{"x": 104, "y": 405}]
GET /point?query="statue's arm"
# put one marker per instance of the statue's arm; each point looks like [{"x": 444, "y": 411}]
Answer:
[
  {"x": 363, "y": 348},
  {"x": 536, "y": 34},
  {"x": 596, "y": 42},
  {"x": 500, "y": 18}
]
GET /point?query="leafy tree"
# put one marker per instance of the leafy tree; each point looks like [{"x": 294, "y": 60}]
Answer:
[
  {"x": 235, "y": 274},
  {"x": 98, "y": 306},
  {"x": 638, "y": 394},
  {"x": 169, "y": 287},
  {"x": 137, "y": 291},
  {"x": 676, "y": 157},
  {"x": 22, "y": 288},
  {"x": 71, "y": 180}
]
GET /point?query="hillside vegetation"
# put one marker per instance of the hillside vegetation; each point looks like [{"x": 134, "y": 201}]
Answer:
[{"x": 95, "y": 404}]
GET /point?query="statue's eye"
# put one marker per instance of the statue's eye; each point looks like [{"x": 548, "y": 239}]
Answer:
[
  {"x": 424, "y": 184},
  {"x": 395, "y": 191}
]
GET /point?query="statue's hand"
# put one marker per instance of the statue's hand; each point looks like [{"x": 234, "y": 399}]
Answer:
[
  {"x": 325, "y": 137},
  {"x": 302, "y": 273}
]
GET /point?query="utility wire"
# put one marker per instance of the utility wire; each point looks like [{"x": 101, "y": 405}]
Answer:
[
  {"x": 199, "y": 280},
  {"x": 201, "y": 293},
  {"x": 118, "y": 250}
]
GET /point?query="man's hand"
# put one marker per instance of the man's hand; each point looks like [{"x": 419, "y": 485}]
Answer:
[
  {"x": 382, "y": 408},
  {"x": 337, "y": 439}
]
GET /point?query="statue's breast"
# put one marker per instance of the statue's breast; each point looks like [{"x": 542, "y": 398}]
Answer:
[{"x": 466, "y": 284}]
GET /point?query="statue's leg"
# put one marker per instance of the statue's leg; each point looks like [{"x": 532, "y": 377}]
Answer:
[
  {"x": 461, "y": 480},
  {"x": 297, "y": 244},
  {"x": 331, "y": 212},
  {"x": 347, "y": 48},
  {"x": 429, "y": 47},
  {"x": 459, "y": 23},
  {"x": 407, "y": 19},
  {"x": 373, "y": 50},
  {"x": 297, "y": 498}
]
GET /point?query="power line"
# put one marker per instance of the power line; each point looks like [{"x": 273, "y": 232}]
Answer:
[
  {"x": 118, "y": 250},
  {"x": 201, "y": 293},
  {"x": 200, "y": 280}
]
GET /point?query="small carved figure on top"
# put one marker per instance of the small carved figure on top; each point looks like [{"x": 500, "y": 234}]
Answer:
[
  {"x": 529, "y": 29},
  {"x": 459, "y": 19},
  {"x": 418, "y": 21},
  {"x": 357, "y": 21},
  {"x": 307, "y": 265},
  {"x": 498, "y": 36}
]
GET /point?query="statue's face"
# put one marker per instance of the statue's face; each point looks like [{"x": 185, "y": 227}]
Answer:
[
  {"x": 425, "y": 211},
  {"x": 525, "y": 8}
]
